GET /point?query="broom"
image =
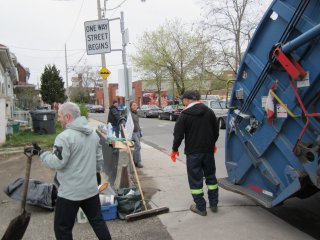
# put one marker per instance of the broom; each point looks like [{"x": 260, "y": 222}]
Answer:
[
  {"x": 19, "y": 224},
  {"x": 146, "y": 213}
]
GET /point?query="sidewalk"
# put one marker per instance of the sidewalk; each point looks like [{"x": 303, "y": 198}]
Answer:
[{"x": 238, "y": 217}]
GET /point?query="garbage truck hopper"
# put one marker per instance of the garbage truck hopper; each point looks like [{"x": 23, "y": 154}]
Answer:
[{"x": 273, "y": 124}]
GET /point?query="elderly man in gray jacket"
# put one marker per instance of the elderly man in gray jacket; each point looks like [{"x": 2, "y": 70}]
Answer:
[{"x": 76, "y": 156}]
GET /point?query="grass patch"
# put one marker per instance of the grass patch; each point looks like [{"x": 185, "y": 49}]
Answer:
[{"x": 24, "y": 138}]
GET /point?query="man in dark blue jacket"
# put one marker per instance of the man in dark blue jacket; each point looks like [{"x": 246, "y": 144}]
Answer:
[
  {"x": 114, "y": 117},
  {"x": 198, "y": 125}
]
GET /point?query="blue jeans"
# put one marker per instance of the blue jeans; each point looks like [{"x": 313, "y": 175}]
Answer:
[
  {"x": 116, "y": 130},
  {"x": 137, "y": 147}
]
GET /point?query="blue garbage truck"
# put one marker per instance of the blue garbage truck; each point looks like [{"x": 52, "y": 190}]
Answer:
[{"x": 273, "y": 124}]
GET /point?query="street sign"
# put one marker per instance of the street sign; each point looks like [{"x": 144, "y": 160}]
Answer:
[
  {"x": 97, "y": 36},
  {"x": 104, "y": 72}
]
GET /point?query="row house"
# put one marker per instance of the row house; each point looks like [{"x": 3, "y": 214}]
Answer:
[{"x": 8, "y": 78}]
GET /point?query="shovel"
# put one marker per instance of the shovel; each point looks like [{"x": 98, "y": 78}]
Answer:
[{"x": 18, "y": 225}]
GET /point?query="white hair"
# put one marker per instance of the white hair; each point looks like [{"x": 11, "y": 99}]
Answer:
[{"x": 71, "y": 108}]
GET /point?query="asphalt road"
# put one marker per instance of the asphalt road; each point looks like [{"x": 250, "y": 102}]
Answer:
[{"x": 303, "y": 214}]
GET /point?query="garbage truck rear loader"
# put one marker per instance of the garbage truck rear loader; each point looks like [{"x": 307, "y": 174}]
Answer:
[{"x": 273, "y": 125}]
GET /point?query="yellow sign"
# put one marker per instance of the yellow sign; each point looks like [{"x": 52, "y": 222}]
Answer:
[{"x": 104, "y": 72}]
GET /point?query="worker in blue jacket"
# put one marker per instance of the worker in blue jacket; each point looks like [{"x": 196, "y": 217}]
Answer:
[{"x": 198, "y": 126}]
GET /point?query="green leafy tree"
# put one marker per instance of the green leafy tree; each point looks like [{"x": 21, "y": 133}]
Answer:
[
  {"x": 181, "y": 52},
  {"x": 52, "y": 87},
  {"x": 79, "y": 95},
  {"x": 83, "y": 110},
  {"x": 27, "y": 97}
]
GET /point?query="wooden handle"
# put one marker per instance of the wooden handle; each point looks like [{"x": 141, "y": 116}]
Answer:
[
  {"x": 26, "y": 183},
  {"x": 134, "y": 167}
]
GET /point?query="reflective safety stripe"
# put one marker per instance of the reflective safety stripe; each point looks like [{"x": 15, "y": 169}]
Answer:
[
  {"x": 196, "y": 191},
  {"x": 213, "y": 187}
]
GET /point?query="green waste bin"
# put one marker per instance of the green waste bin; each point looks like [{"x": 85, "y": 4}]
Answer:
[{"x": 15, "y": 127}]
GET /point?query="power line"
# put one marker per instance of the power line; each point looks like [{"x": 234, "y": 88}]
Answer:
[
  {"x": 44, "y": 50},
  {"x": 76, "y": 64},
  {"x": 111, "y": 9},
  {"x": 75, "y": 23}
]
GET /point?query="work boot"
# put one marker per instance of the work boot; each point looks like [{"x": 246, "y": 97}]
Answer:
[
  {"x": 214, "y": 209},
  {"x": 139, "y": 165},
  {"x": 194, "y": 209}
]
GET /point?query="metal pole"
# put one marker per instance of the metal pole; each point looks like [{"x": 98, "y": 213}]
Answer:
[
  {"x": 103, "y": 63},
  {"x": 172, "y": 91},
  {"x": 124, "y": 60},
  {"x": 65, "y": 55},
  {"x": 302, "y": 39}
]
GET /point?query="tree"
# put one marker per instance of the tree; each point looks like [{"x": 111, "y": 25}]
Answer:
[
  {"x": 146, "y": 64},
  {"x": 52, "y": 89},
  {"x": 230, "y": 24},
  {"x": 27, "y": 97},
  {"x": 79, "y": 95},
  {"x": 89, "y": 77},
  {"x": 175, "y": 52}
]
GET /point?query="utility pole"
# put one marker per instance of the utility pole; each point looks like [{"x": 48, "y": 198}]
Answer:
[
  {"x": 124, "y": 60},
  {"x": 103, "y": 63},
  {"x": 65, "y": 56},
  {"x": 173, "y": 91}
]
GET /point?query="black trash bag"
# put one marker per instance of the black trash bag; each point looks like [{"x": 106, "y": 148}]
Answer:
[
  {"x": 129, "y": 201},
  {"x": 39, "y": 194}
]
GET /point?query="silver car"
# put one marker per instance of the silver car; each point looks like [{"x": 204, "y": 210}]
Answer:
[
  {"x": 220, "y": 110},
  {"x": 149, "y": 111}
]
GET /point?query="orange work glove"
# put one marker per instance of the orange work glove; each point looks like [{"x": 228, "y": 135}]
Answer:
[
  {"x": 173, "y": 156},
  {"x": 215, "y": 149}
]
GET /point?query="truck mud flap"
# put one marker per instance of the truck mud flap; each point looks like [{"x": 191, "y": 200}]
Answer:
[{"x": 260, "y": 198}]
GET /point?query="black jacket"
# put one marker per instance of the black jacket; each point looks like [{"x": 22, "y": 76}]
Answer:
[
  {"x": 198, "y": 125},
  {"x": 114, "y": 115}
]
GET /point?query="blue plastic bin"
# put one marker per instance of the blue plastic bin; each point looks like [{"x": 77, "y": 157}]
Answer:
[{"x": 109, "y": 212}]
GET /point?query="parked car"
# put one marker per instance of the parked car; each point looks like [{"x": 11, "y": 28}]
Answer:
[
  {"x": 89, "y": 106},
  {"x": 221, "y": 112},
  {"x": 171, "y": 112},
  {"x": 97, "y": 109},
  {"x": 149, "y": 111}
]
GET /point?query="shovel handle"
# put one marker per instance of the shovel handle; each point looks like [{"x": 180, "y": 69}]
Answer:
[
  {"x": 26, "y": 182},
  {"x": 134, "y": 167}
]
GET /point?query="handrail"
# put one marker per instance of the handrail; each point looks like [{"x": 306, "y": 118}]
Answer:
[
  {"x": 282, "y": 104},
  {"x": 227, "y": 95}
]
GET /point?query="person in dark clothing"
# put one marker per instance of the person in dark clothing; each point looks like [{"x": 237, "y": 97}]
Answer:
[
  {"x": 198, "y": 125},
  {"x": 136, "y": 135},
  {"x": 114, "y": 117}
]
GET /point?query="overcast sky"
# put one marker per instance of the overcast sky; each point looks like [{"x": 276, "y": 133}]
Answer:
[{"x": 37, "y": 30}]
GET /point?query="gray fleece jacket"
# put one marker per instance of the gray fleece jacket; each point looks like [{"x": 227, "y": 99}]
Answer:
[{"x": 77, "y": 156}]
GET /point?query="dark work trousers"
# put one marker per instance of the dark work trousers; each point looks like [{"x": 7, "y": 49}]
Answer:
[
  {"x": 66, "y": 212},
  {"x": 201, "y": 165}
]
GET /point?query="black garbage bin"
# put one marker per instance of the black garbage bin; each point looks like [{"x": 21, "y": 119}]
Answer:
[
  {"x": 43, "y": 121},
  {"x": 110, "y": 159}
]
